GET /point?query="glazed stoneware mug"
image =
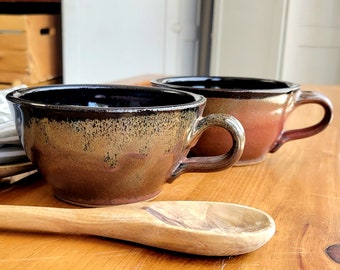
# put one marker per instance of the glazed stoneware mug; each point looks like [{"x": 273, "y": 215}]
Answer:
[
  {"x": 112, "y": 144},
  {"x": 262, "y": 106}
]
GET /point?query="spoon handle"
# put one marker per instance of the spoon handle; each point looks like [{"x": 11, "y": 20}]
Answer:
[
  {"x": 108, "y": 222},
  {"x": 139, "y": 223}
]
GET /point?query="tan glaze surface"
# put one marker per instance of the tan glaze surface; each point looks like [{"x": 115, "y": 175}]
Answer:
[
  {"x": 201, "y": 228},
  {"x": 298, "y": 186}
]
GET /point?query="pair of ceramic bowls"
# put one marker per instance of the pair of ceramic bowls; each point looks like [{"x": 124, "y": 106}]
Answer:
[{"x": 112, "y": 144}]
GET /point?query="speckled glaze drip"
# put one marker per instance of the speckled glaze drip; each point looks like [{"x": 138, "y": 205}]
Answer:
[{"x": 136, "y": 149}]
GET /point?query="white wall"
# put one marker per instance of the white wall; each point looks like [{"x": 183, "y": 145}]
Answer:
[
  {"x": 106, "y": 40},
  {"x": 293, "y": 40},
  {"x": 312, "y": 48},
  {"x": 247, "y": 38}
]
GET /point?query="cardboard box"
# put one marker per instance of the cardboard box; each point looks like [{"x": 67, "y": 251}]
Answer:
[{"x": 30, "y": 48}]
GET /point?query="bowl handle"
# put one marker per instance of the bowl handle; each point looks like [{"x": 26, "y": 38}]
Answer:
[
  {"x": 306, "y": 97},
  {"x": 213, "y": 163}
]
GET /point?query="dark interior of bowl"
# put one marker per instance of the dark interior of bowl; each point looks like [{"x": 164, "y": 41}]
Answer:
[
  {"x": 225, "y": 83},
  {"x": 105, "y": 96}
]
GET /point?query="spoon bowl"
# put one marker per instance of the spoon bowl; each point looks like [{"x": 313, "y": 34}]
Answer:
[{"x": 193, "y": 227}]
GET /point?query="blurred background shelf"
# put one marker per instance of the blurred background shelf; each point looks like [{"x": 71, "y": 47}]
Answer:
[{"x": 30, "y": 42}]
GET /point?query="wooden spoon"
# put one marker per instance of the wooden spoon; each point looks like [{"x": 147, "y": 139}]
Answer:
[{"x": 195, "y": 227}]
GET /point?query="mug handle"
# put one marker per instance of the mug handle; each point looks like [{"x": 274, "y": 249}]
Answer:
[
  {"x": 306, "y": 97},
  {"x": 213, "y": 163}
]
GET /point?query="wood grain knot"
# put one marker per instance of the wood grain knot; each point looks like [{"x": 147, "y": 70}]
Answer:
[{"x": 333, "y": 252}]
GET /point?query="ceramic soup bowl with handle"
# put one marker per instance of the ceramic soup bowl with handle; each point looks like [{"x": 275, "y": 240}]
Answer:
[
  {"x": 113, "y": 144},
  {"x": 262, "y": 106}
]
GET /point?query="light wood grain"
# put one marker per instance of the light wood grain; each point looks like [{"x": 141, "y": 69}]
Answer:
[
  {"x": 299, "y": 186},
  {"x": 192, "y": 227}
]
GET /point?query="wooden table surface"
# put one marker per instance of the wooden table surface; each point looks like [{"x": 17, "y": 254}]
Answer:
[{"x": 299, "y": 186}]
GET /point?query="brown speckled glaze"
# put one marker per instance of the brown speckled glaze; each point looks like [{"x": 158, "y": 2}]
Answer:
[
  {"x": 115, "y": 154},
  {"x": 262, "y": 107}
]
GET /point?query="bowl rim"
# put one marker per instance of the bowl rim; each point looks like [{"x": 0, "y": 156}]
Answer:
[
  {"x": 165, "y": 82},
  {"x": 17, "y": 96}
]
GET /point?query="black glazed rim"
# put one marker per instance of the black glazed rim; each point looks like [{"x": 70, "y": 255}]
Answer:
[
  {"x": 19, "y": 96},
  {"x": 207, "y": 86}
]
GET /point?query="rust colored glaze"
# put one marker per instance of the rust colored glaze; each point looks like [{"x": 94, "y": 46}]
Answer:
[{"x": 262, "y": 106}]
